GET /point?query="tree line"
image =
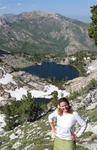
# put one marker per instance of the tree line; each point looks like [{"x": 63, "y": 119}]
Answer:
[{"x": 27, "y": 109}]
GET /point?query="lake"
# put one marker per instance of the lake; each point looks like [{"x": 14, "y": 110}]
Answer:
[
  {"x": 3, "y": 52},
  {"x": 53, "y": 71}
]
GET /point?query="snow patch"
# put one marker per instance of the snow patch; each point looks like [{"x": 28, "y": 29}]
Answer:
[{"x": 7, "y": 78}]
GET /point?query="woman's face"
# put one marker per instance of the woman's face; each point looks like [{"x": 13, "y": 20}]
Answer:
[{"x": 64, "y": 106}]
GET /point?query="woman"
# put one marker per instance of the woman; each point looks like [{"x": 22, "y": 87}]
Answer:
[{"x": 64, "y": 128}]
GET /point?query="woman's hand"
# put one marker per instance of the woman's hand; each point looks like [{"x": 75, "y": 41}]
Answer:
[
  {"x": 53, "y": 132},
  {"x": 73, "y": 136}
]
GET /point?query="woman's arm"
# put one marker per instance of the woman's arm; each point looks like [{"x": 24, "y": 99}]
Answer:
[
  {"x": 53, "y": 125},
  {"x": 82, "y": 123},
  {"x": 52, "y": 118}
]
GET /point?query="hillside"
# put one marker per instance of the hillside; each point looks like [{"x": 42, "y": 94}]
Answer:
[
  {"x": 40, "y": 32},
  {"x": 25, "y": 136}
]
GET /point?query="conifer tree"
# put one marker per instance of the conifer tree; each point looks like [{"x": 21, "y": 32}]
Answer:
[{"x": 93, "y": 25}]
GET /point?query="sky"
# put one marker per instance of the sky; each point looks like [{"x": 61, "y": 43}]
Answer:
[{"x": 76, "y": 9}]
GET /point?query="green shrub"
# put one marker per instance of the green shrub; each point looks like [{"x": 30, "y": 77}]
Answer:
[
  {"x": 54, "y": 99},
  {"x": 74, "y": 95},
  {"x": 92, "y": 85},
  {"x": 20, "y": 111}
]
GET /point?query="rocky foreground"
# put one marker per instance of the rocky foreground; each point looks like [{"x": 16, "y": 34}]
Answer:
[{"x": 37, "y": 136}]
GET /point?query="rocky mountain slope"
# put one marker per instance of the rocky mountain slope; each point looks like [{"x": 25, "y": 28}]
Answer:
[{"x": 41, "y": 32}]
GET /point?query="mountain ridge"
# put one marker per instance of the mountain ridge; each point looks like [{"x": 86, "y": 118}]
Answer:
[{"x": 42, "y": 32}]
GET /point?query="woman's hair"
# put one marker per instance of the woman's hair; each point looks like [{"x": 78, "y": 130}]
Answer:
[{"x": 63, "y": 99}]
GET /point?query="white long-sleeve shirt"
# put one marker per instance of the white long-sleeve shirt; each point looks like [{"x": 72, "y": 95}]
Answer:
[{"x": 65, "y": 124}]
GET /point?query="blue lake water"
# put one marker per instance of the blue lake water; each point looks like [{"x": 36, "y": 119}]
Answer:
[
  {"x": 3, "y": 52},
  {"x": 53, "y": 71}
]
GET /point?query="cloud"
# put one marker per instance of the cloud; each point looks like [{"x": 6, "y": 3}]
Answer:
[{"x": 4, "y": 7}]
